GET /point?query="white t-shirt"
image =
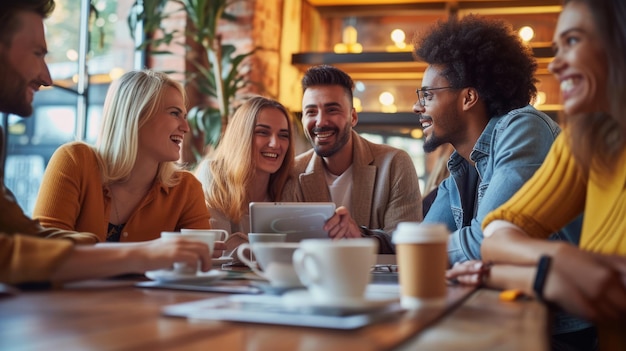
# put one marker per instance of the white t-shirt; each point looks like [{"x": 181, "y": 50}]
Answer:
[{"x": 340, "y": 187}]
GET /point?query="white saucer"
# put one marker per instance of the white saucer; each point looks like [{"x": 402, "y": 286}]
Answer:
[
  {"x": 222, "y": 260},
  {"x": 167, "y": 276},
  {"x": 303, "y": 298}
]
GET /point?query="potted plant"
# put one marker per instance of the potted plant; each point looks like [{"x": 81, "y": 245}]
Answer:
[{"x": 215, "y": 68}]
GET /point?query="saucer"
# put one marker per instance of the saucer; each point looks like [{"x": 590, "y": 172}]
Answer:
[
  {"x": 222, "y": 260},
  {"x": 166, "y": 276},
  {"x": 303, "y": 298}
]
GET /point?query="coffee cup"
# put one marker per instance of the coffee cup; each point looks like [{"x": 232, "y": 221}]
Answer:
[
  {"x": 207, "y": 238},
  {"x": 221, "y": 234},
  {"x": 422, "y": 257},
  {"x": 335, "y": 270},
  {"x": 274, "y": 260},
  {"x": 254, "y": 238}
]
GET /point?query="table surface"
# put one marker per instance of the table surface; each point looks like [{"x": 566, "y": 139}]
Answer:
[{"x": 115, "y": 315}]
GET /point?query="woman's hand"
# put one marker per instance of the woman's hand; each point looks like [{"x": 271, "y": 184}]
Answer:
[
  {"x": 161, "y": 254},
  {"x": 587, "y": 284}
]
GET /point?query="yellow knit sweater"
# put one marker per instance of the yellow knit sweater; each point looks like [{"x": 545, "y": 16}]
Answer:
[{"x": 557, "y": 193}]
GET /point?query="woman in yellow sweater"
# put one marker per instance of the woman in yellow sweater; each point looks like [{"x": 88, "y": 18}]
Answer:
[
  {"x": 128, "y": 187},
  {"x": 584, "y": 171}
]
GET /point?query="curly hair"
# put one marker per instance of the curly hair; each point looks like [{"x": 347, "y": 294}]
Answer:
[{"x": 484, "y": 54}]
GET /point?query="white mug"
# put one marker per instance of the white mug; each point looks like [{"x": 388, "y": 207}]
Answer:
[
  {"x": 207, "y": 236},
  {"x": 275, "y": 260},
  {"x": 254, "y": 238},
  {"x": 223, "y": 234},
  {"x": 335, "y": 270}
]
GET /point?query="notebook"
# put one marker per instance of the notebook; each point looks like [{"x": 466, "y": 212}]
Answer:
[{"x": 299, "y": 220}]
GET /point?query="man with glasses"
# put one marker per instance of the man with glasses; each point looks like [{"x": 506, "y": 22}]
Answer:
[{"x": 475, "y": 95}]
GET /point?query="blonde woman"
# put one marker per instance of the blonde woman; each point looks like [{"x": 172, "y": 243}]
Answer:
[
  {"x": 128, "y": 187},
  {"x": 252, "y": 163}
]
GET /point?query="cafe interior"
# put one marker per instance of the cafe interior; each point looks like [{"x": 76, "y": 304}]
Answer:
[{"x": 94, "y": 42}]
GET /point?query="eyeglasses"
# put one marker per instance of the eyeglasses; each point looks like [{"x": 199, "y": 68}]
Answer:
[{"x": 425, "y": 94}]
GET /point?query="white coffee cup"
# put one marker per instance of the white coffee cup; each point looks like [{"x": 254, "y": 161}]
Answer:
[
  {"x": 335, "y": 270},
  {"x": 222, "y": 234},
  {"x": 254, "y": 238},
  {"x": 207, "y": 236},
  {"x": 275, "y": 261}
]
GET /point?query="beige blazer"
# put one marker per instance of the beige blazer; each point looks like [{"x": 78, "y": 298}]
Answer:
[{"x": 385, "y": 191}]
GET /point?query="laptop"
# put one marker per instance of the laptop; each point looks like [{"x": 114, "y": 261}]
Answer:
[{"x": 299, "y": 220}]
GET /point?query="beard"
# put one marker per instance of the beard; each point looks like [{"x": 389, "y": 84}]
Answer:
[
  {"x": 342, "y": 140},
  {"x": 432, "y": 143},
  {"x": 13, "y": 89}
]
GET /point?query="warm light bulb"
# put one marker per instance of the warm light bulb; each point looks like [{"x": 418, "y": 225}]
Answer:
[
  {"x": 356, "y": 102},
  {"x": 116, "y": 73},
  {"x": 349, "y": 35},
  {"x": 526, "y": 33},
  {"x": 386, "y": 98},
  {"x": 540, "y": 99},
  {"x": 417, "y": 133},
  {"x": 398, "y": 36}
]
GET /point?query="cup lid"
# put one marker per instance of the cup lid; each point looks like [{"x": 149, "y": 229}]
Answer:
[{"x": 416, "y": 232}]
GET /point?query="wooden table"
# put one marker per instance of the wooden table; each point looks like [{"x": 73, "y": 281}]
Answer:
[{"x": 114, "y": 315}]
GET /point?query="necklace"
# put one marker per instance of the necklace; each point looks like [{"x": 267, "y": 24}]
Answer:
[{"x": 114, "y": 205}]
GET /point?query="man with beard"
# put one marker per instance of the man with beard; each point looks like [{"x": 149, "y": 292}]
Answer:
[
  {"x": 25, "y": 255},
  {"x": 475, "y": 95},
  {"x": 374, "y": 187}
]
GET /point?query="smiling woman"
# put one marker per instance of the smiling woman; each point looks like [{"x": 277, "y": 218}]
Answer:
[
  {"x": 127, "y": 187},
  {"x": 252, "y": 163}
]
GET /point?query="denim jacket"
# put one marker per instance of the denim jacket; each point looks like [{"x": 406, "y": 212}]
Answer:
[{"x": 506, "y": 155}]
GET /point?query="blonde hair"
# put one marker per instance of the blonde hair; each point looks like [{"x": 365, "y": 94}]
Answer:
[
  {"x": 228, "y": 174},
  {"x": 130, "y": 103}
]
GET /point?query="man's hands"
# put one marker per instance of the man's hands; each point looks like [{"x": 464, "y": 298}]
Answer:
[
  {"x": 468, "y": 273},
  {"x": 341, "y": 225}
]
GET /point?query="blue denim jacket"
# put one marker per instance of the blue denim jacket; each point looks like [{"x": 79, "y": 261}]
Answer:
[{"x": 506, "y": 155}]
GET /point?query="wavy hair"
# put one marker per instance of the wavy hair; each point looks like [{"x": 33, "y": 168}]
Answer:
[
  {"x": 229, "y": 172},
  {"x": 130, "y": 103},
  {"x": 484, "y": 54},
  {"x": 600, "y": 137}
]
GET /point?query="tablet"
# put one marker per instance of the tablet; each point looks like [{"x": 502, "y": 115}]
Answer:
[
  {"x": 299, "y": 220},
  {"x": 266, "y": 309}
]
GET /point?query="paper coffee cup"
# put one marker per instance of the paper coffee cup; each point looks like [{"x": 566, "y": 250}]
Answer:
[{"x": 422, "y": 257}]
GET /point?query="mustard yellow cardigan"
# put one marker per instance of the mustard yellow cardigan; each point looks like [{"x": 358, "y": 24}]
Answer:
[
  {"x": 72, "y": 197},
  {"x": 25, "y": 256}
]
